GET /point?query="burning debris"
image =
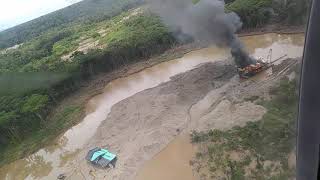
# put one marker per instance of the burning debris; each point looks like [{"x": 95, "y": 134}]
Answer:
[
  {"x": 206, "y": 22},
  {"x": 241, "y": 58}
]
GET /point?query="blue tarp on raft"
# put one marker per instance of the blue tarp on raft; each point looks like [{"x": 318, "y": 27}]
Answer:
[{"x": 101, "y": 157}]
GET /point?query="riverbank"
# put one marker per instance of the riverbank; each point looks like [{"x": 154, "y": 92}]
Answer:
[
  {"x": 272, "y": 28},
  {"x": 257, "y": 150},
  {"x": 72, "y": 109},
  {"x": 95, "y": 87},
  {"x": 219, "y": 111},
  {"x": 139, "y": 127}
]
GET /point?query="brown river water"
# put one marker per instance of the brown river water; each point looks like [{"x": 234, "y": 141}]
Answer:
[{"x": 172, "y": 162}]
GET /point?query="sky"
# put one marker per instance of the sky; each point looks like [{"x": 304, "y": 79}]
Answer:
[{"x": 14, "y": 12}]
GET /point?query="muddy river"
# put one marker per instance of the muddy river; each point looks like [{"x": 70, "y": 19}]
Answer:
[{"x": 173, "y": 161}]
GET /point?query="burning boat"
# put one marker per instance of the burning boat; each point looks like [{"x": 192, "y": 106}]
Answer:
[
  {"x": 248, "y": 66},
  {"x": 207, "y": 22}
]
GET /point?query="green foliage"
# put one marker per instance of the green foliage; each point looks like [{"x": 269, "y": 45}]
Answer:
[
  {"x": 33, "y": 77},
  {"x": 270, "y": 139},
  {"x": 86, "y": 11},
  {"x": 35, "y": 103},
  {"x": 253, "y": 13},
  {"x": 13, "y": 123},
  {"x": 64, "y": 46},
  {"x": 6, "y": 117},
  {"x": 197, "y": 137},
  {"x": 20, "y": 83},
  {"x": 95, "y": 35},
  {"x": 38, "y": 51},
  {"x": 292, "y": 11},
  {"x": 8, "y": 132},
  {"x": 68, "y": 116},
  {"x": 138, "y": 36},
  {"x": 236, "y": 170}
]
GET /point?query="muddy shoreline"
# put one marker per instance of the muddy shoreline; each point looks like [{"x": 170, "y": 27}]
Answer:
[
  {"x": 97, "y": 83},
  {"x": 94, "y": 87},
  {"x": 189, "y": 107},
  {"x": 142, "y": 125},
  {"x": 233, "y": 104},
  {"x": 273, "y": 28}
]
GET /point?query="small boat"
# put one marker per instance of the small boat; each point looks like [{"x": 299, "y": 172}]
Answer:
[{"x": 253, "y": 69}]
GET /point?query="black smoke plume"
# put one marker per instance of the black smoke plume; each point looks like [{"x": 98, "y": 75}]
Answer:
[{"x": 206, "y": 22}]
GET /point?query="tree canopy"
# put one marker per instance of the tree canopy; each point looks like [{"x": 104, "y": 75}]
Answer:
[
  {"x": 35, "y": 103},
  {"x": 85, "y": 11}
]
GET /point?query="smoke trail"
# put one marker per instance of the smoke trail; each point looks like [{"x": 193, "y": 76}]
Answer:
[{"x": 205, "y": 21}]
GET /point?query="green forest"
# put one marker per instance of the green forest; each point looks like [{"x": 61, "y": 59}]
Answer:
[
  {"x": 55, "y": 53},
  {"x": 83, "y": 12}
]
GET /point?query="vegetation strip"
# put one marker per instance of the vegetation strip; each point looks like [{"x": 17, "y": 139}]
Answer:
[{"x": 259, "y": 150}]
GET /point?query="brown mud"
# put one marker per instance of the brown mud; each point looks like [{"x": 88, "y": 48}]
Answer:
[{"x": 150, "y": 107}]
